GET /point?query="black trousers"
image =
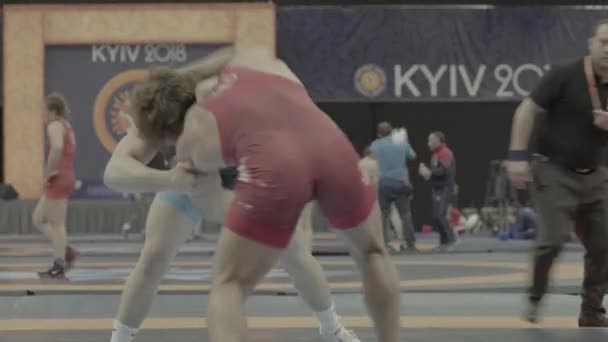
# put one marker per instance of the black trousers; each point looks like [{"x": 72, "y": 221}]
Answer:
[
  {"x": 565, "y": 200},
  {"x": 391, "y": 191},
  {"x": 442, "y": 199}
]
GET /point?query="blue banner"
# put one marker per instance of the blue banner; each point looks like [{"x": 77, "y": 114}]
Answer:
[
  {"x": 96, "y": 81},
  {"x": 415, "y": 53}
]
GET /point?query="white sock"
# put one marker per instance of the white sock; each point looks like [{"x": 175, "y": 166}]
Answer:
[
  {"x": 329, "y": 321},
  {"x": 122, "y": 333}
]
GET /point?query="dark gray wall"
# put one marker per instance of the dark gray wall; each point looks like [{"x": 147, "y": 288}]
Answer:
[{"x": 476, "y": 132}]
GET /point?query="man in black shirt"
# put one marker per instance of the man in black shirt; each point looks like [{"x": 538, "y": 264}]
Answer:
[{"x": 568, "y": 183}]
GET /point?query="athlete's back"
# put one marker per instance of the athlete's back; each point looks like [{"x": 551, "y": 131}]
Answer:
[
  {"x": 288, "y": 152},
  {"x": 252, "y": 107}
]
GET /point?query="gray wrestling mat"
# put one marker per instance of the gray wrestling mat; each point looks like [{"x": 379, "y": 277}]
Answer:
[
  {"x": 460, "y": 297},
  {"x": 323, "y": 244},
  {"x": 424, "y": 317}
]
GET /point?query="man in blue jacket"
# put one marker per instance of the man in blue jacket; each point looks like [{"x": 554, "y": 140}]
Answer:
[{"x": 394, "y": 186}]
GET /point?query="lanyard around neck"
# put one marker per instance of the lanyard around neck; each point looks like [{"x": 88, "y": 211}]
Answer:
[{"x": 592, "y": 84}]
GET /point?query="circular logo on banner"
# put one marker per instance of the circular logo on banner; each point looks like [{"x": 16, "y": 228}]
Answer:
[
  {"x": 111, "y": 118},
  {"x": 370, "y": 80}
]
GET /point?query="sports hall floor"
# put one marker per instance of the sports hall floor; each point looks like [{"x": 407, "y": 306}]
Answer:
[{"x": 474, "y": 294}]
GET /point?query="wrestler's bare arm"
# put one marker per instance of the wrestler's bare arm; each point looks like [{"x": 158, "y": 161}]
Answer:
[
  {"x": 199, "y": 143},
  {"x": 213, "y": 63},
  {"x": 55, "y": 132},
  {"x": 127, "y": 171},
  {"x": 199, "y": 147},
  {"x": 210, "y": 198},
  {"x": 254, "y": 58},
  {"x": 262, "y": 60},
  {"x": 210, "y": 65},
  {"x": 523, "y": 124}
]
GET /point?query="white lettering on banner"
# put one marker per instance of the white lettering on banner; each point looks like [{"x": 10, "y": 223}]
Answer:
[
  {"x": 132, "y": 52},
  {"x": 433, "y": 79},
  {"x": 453, "y": 81},
  {"x": 526, "y": 67},
  {"x": 401, "y": 79},
  {"x": 472, "y": 89},
  {"x": 113, "y": 50},
  {"x": 504, "y": 75},
  {"x": 97, "y": 54},
  {"x": 149, "y": 53},
  {"x": 510, "y": 80}
]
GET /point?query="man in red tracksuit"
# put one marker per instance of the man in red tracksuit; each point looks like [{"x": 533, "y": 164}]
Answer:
[{"x": 442, "y": 175}]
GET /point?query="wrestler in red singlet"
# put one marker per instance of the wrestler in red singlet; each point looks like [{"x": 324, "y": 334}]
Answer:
[
  {"x": 61, "y": 184},
  {"x": 289, "y": 152},
  {"x": 50, "y": 213}
]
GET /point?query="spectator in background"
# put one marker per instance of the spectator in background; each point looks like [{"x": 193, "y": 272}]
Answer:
[
  {"x": 369, "y": 166},
  {"x": 521, "y": 224},
  {"x": 442, "y": 175},
  {"x": 59, "y": 181},
  {"x": 394, "y": 185}
]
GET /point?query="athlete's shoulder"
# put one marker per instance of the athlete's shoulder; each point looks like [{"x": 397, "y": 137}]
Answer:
[
  {"x": 252, "y": 53},
  {"x": 200, "y": 139},
  {"x": 197, "y": 121},
  {"x": 55, "y": 126},
  {"x": 258, "y": 59},
  {"x": 133, "y": 145}
]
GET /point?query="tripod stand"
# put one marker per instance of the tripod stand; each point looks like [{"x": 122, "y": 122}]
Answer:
[{"x": 499, "y": 195}]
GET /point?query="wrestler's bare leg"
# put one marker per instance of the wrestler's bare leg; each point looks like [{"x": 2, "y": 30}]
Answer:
[
  {"x": 310, "y": 281},
  {"x": 161, "y": 247},
  {"x": 238, "y": 266},
  {"x": 303, "y": 268},
  {"x": 380, "y": 278},
  {"x": 49, "y": 217},
  {"x": 166, "y": 230}
]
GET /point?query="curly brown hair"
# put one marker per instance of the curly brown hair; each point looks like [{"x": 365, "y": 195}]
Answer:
[
  {"x": 55, "y": 102},
  {"x": 597, "y": 26},
  {"x": 159, "y": 104}
]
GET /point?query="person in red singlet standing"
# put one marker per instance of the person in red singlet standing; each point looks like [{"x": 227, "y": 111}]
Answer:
[
  {"x": 247, "y": 109},
  {"x": 50, "y": 213}
]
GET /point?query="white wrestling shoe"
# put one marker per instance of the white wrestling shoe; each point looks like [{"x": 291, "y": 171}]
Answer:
[{"x": 340, "y": 335}]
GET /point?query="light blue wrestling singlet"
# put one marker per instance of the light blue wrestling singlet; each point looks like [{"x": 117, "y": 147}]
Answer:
[{"x": 182, "y": 203}]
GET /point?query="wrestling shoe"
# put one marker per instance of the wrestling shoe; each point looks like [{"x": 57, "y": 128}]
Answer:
[
  {"x": 405, "y": 249},
  {"x": 71, "y": 254},
  {"x": 340, "y": 335},
  {"x": 593, "y": 318},
  {"x": 532, "y": 311},
  {"x": 57, "y": 271}
]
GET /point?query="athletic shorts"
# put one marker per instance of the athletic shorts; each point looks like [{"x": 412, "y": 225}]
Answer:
[
  {"x": 183, "y": 203},
  {"x": 276, "y": 180},
  {"x": 60, "y": 186}
]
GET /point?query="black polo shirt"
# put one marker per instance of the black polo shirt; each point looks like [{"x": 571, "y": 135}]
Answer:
[{"x": 567, "y": 134}]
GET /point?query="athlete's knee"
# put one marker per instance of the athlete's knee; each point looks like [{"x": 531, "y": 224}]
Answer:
[
  {"x": 294, "y": 256},
  {"x": 370, "y": 259},
  {"x": 38, "y": 217},
  {"x": 366, "y": 244},
  {"x": 549, "y": 250},
  {"x": 239, "y": 274},
  {"x": 244, "y": 277},
  {"x": 373, "y": 247},
  {"x": 155, "y": 262}
]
